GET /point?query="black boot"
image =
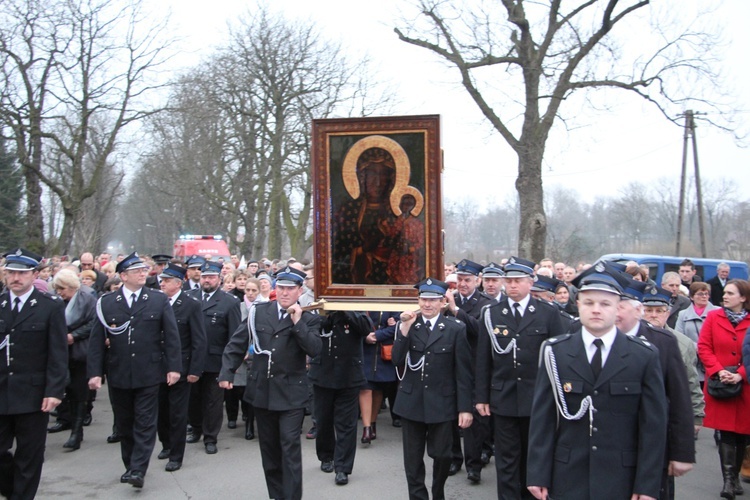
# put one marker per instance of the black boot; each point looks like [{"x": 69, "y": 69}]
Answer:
[
  {"x": 76, "y": 433},
  {"x": 249, "y": 432},
  {"x": 728, "y": 459}
]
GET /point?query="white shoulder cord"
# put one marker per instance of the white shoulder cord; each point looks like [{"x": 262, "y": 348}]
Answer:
[
  {"x": 419, "y": 365},
  {"x": 5, "y": 345},
  {"x": 113, "y": 330},
  {"x": 587, "y": 405},
  {"x": 493, "y": 338},
  {"x": 254, "y": 338}
]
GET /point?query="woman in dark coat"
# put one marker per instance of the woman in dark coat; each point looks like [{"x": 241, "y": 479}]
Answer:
[
  {"x": 381, "y": 374},
  {"x": 80, "y": 314},
  {"x": 720, "y": 350}
]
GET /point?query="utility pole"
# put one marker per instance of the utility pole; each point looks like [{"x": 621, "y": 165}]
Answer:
[{"x": 689, "y": 133}]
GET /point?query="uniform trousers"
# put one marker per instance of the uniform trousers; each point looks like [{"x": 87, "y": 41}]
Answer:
[
  {"x": 20, "y": 472},
  {"x": 437, "y": 438},
  {"x": 474, "y": 438},
  {"x": 511, "y": 443},
  {"x": 173, "y": 410},
  {"x": 206, "y": 412},
  {"x": 281, "y": 451},
  {"x": 136, "y": 412},
  {"x": 336, "y": 413}
]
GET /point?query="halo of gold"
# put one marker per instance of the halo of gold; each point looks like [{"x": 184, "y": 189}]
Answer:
[{"x": 403, "y": 171}]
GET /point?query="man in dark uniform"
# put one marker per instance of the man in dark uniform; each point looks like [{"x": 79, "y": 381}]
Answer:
[
  {"x": 33, "y": 370},
  {"x": 173, "y": 400},
  {"x": 599, "y": 416},
  {"x": 511, "y": 334},
  {"x": 435, "y": 391},
  {"x": 221, "y": 317},
  {"x": 282, "y": 336},
  {"x": 465, "y": 304},
  {"x": 160, "y": 260},
  {"x": 680, "y": 447},
  {"x": 143, "y": 340},
  {"x": 193, "y": 281},
  {"x": 492, "y": 281},
  {"x": 337, "y": 377},
  {"x": 544, "y": 288}
]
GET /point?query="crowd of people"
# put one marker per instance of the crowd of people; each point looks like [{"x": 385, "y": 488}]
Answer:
[{"x": 181, "y": 344}]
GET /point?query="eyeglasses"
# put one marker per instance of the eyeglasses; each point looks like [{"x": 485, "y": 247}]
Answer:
[{"x": 140, "y": 270}]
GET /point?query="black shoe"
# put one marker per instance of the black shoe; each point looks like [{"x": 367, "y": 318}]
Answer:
[
  {"x": 475, "y": 476},
  {"x": 396, "y": 422},
  {"x": 59, "y": 427},
  {"x": 211, "y": 448},
  {"x": 232, "y": 424},
  {"x": 312, "y": 433},
  {"x": 172, "y": 466},
  {"x": 125, "y": 477},
  {"x": 485, "y": 458},
  {"x": 342, "y": 478},
  {"x": 87, "y": 419},
  {"x": 249, "y": 432},
  {"x": 136, "y": 479},
  {"x": 326, "y": 466},
  {"x": 374, "y": 430},
  {"x": 193, "y": 437},
  {"x": 366, "y": 435},
  {"x": 454, "y": 469},
  {"x": 163, "y": 454},
  {"x": 114, "y": 438}
]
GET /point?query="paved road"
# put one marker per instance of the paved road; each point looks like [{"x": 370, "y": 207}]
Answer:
[{"x": 236, "y": 472}]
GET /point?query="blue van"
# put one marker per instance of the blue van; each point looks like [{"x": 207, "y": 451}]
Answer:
[{"x": 660, "y": 264}]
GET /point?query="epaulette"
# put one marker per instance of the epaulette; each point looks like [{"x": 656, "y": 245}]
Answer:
[
  {"x": 453, "y": 319},
  {"x": 641, "y": 341},
  {"x": 559, "y": 338},
  {"x": 547, "y": 304},
  {"x": 49, "y": 296}
]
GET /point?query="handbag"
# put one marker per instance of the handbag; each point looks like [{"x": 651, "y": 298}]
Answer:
[
  {"x": 719, "y": 390},
  {"x": 79, "y": 350},
  {"x": 386, "y": 352}
]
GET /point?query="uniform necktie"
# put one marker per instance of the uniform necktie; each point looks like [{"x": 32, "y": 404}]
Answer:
[
  {"x": 133, "y": 299},
  {"x": 517, "y": 311},
  {"x": 16, "y": 307},
  {"x": 206, "y": 297},
  {"x": 282, "y": 314},
  {"x": 196, "y": 286},
  {"x": 596, "y": 360}
]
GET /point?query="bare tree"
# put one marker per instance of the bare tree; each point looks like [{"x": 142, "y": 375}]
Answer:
[
  {"x": 74, "y": 69},
  {"x": 522, "y": 61}
]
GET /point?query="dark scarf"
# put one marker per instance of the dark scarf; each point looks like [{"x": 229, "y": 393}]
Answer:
[{"x": 735, "y": 318}]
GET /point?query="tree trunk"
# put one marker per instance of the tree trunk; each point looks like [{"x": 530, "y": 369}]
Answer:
[
  {"x": 34, "y": 217},
  {"x": 532, "y": 232}
]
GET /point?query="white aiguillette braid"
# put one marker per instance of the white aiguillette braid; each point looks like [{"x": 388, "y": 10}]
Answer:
[
  {"x": 415, "y": 367},
  {"x": 587, "y": 405},
  {"x": 493, "y": 338},
  {"x": 254, "y": 338},
  {"x": 114, "y": 330}
]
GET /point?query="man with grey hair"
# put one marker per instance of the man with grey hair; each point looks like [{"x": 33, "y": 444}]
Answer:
[
  {"x": 672, "y": 281},
  {"x": 717, "y": 284}
]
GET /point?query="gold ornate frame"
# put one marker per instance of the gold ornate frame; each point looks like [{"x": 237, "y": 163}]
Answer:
[{"x": 413, "y": 143}]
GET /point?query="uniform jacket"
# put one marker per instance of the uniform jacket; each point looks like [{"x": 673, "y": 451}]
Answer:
[
  {"x": 221, "y": 317},
  {"x": 681, "y": 437},
  {"x": 469, "y": 312},
  {"x": 442, "y": 389},
  {"x": 189, "y": 316},
  {"x": 153, "y": 282},
  {"x": 622, "y": 452},
  {"x": 720, "y": 345},
  {"x": 142, "y": 355},
  {"x": 36, "y": 366},
  {"x": 376, "y": 368},
  {"x": 282, "y": 385},
  {"x": 339, "y": 363},
  {"x": 508, "y": 385}
]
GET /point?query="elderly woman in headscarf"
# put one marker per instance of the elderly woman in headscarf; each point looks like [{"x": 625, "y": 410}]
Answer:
[{"x": 80, "y": 314}]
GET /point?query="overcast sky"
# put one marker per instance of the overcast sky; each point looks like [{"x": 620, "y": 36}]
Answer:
[{"x": 631, "y": 141}]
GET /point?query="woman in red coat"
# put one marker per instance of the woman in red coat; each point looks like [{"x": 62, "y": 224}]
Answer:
[{"x": 720, "y": 347}]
